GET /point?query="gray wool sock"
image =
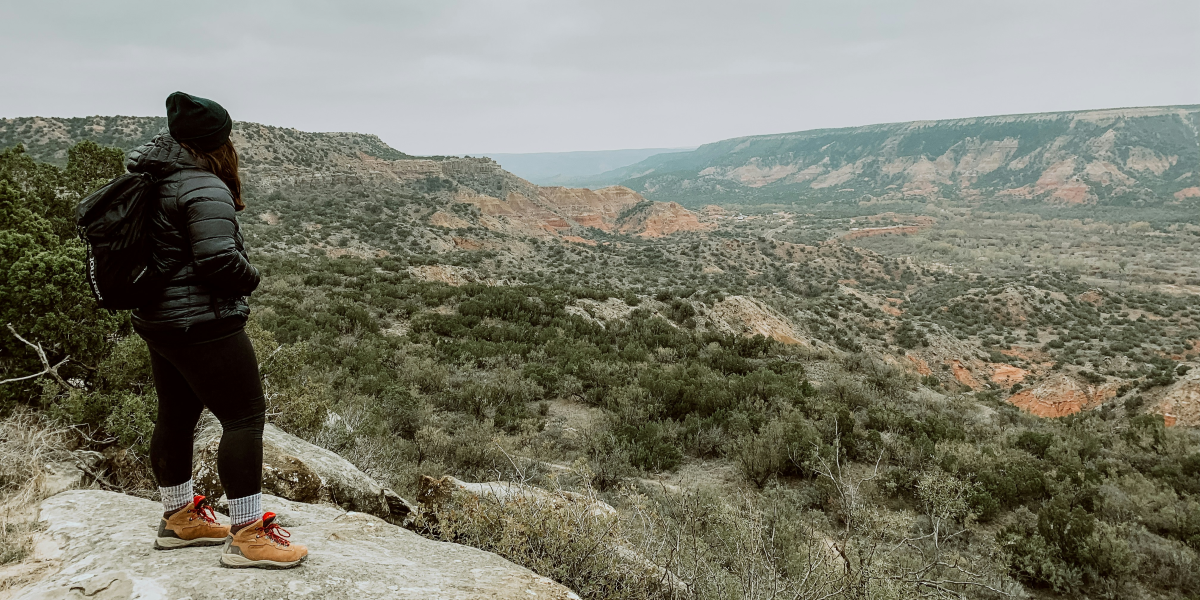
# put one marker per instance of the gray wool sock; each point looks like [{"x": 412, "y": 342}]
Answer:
[
  {"x": 176, "y": 496},
  {"x": 243, "y": 511}
]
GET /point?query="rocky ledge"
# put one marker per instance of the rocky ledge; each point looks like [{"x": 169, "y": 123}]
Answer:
[{"x": 99, "y": 545}]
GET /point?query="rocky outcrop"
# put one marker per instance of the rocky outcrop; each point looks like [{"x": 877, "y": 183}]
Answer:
[
  {"x": 590, "y": 208},
  {"x": 99, "y": 545},
  {"x": 560, "y": 211},
  {"x": 1007, "y": 375},
  {"x": 744, "y": 315},
  {"x": 437, "y": 491},
  {"x": 80, "y": 469},
  {"x": 1180, "y": 404},
  {"x": 1060, "y": 395},
  {"x": 297, "y": 470},
  {"x": 659, "y": 219},
  {"x": 965, "y": 374}
]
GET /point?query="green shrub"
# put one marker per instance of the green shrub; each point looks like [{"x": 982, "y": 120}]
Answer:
[
  {"x": 652, "y": 446},
  {"x": 42, "y": 294},
  {"x": 761, "y": 455},
  {"x": 608, "y": 460},
  {"x": 401, "y": 412},
  {"x": 1066, "y": 549},
  {"x": 503, "y": 396},
  {"x": 131, "y": 420},
  {"x": 127, "y": 367}
]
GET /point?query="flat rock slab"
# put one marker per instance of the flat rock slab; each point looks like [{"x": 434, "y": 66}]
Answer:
[
  {"x": 104, "y": 549},
  {"x": 300, "y": 471}
]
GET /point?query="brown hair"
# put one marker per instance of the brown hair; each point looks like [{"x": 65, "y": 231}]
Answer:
[{"x": 222, "y": 162}]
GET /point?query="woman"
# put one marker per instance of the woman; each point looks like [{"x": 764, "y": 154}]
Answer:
[{"x": 199, "y": 351}]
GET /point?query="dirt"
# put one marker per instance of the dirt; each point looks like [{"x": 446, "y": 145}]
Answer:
[
  {"x": 269, "y": 218},
  {"x": 451, "y": 275},
  {"x": 951, "y": 360},
  {"x": 661, "y": 219},
  {"x": 442, "y": 219},
  {"x": 839, "y": 176},
  {"x": 1024, "y": 191},
  {"x": 964, "y": 375},
  {"x": 1180, "y": 404},
  {"x": 1094, "y": 297},
  {"x": 755, "y": 175},
  {"x": 1061, "y": 182},
  {"x": 340, "y": 252},
  {"x": 1185, "y": 193},
  {"x": 1106, "y": 173},
  {"x": 590, "y": 208},
  {"x": 1145, "y": 159},
  {"x": 874, "y": 231},
  {"x": 600, "y": 312},
  {"x": 564, "y": 212},
  {"x": 808, "y": 173},
  {"x": 748, "y": 316},
  {"x": 1007, "y": 375},
  {"x": 515, "y": 213},
  {"x": 983, "y": 157},
  {"x": 1075, "y": 192},
  {"x": 920, "y": 364},
  {"x": 467, "y": 243},
  {"x": 574, "y": 239},
  {"x": 925, "y": 176},
  {"x": 1038, "y": 360},
  {"x": 1061, "y": 395}
]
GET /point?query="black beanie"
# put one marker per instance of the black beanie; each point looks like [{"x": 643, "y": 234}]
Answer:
[{"x": 197, "y": 122}]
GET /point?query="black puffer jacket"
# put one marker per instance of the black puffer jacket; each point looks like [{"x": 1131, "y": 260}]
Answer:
[{"x": 197, "y": 246}]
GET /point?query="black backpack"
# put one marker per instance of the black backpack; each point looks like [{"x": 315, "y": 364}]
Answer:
[{"x": 112, "y": 224}]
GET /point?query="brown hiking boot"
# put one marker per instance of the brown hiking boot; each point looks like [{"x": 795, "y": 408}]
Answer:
[
  {"x": 262, "y": 545},
  {"x": 193, "y": 525}
]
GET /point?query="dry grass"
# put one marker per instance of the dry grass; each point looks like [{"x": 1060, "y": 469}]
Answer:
[
  {"x": 28, "y": 442},
  {"x": 569, "y": 541}
]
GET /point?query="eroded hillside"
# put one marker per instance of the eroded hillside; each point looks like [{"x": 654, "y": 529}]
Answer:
[
  {"x": 1130, "y": 156},
  {"x": 352, "y": 164},
  {"x": 829, "y": 388}
]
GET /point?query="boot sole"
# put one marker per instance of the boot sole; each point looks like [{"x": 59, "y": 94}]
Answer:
[
  {"x": 234, "y": 561},
  {"x": 167, "y": 543}
]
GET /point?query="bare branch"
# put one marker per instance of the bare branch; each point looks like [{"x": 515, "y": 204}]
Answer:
[
  {"x": 519, "y": 471},
  {"x": 47, "y": 368},
  {"x": 100, "y": 479}
]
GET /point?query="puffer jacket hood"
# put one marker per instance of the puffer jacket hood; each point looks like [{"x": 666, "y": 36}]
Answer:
[
  {"x": 196, "y": 244},
  {"x": 160, "y": 157}
]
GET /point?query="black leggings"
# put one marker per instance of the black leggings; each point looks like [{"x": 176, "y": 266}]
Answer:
[{"x": 222, "y": 375}]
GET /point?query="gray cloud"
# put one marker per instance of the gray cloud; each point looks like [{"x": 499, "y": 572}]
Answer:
[{"x": 466, "y": 76}]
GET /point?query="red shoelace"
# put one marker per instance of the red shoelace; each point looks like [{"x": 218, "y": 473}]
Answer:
[
  {"x": 272, "y": 530},
  {"x": 201, "y": 508}
]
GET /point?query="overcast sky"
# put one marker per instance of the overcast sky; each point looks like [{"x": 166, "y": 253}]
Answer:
[{"x": 457, "y": 77}]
